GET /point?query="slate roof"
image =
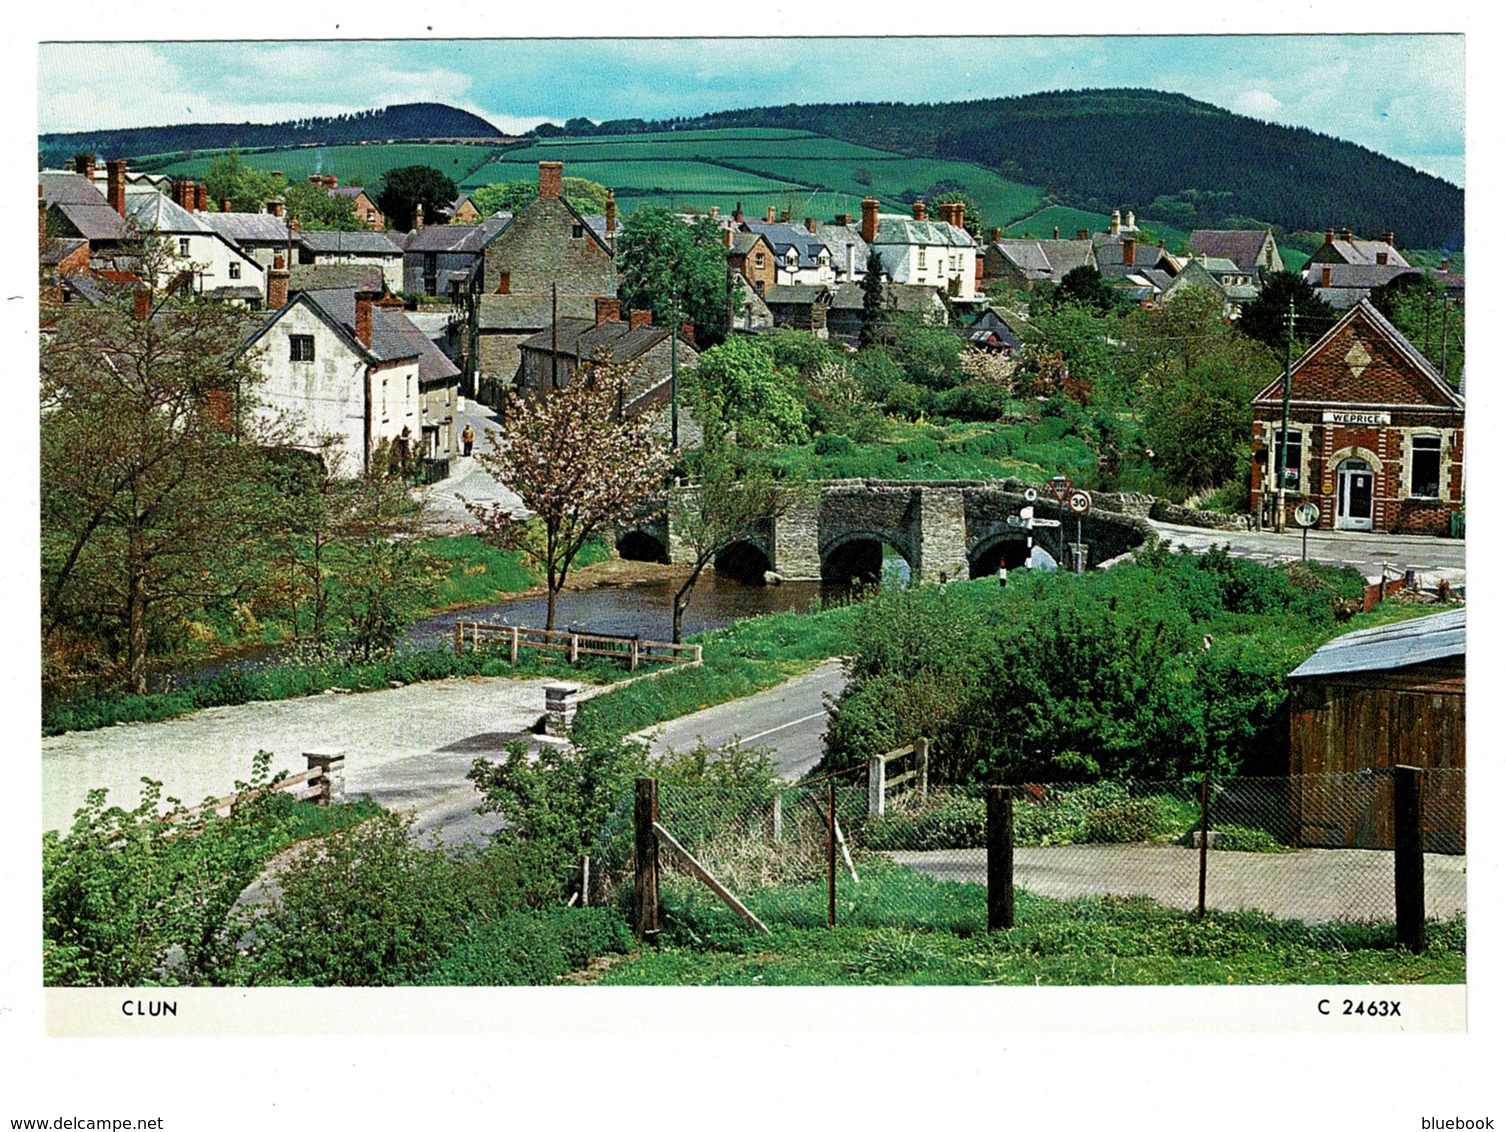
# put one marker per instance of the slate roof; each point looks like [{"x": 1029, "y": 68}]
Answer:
[
  {"x": 796, "y": 294},
  {"x": 1111, "y": 254},
  {"x": 433, "y": 366},
  {"x": 1356, "y": 274},
  {"x": 839, "y": 237},
  {"x": 247, "y": 227},
  {"x": 523, "y": 312},
  {"x": 389, "y": 338},
  {"x": 54, "y": 251},
  {"x": 907, "y": 230},
  {"x": 335, "y": 277},
  {"x": 153, "y": 212},
  {"x": 84, "y": 207},
  {"x": 598, "y": 226},
  {"x": 916, "y": 297},
  {"x": 1241, "y": 245},
  {"x": 1363, "y": 251},
  {"x": 1438, "y": 637},
  {"x": 744, "y": 242},
  {"x": 785, "y": 236},
  {"x": 453, "y": 237},
  {"x": 350, "y": 243},
  {"x": 582, "y": 339}
]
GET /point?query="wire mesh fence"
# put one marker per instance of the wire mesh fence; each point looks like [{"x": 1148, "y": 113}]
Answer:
[{"x": 1308, "y": 859}]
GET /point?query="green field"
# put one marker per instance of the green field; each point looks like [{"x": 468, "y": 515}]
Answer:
[
  {"x": 631, "y": 178},
  {"x": 352, "y": 164}
]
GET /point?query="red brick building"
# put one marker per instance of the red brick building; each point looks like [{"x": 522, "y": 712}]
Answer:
[{"x": 1376, "y": 433}]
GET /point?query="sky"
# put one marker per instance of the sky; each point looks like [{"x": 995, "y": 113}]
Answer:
[{"x": 1401, "y": 95}]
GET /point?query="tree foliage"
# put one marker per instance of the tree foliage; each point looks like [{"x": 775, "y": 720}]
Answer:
[
  {"x": 316, "y": 210},
  {"x": 872, "y": 301},
  {"x": 585, "y": 197},
  {"x": 754, "y": 397},
  {"x": 577, "y": 466},
  {"x": 677, "y": 270},
  {"x": 248, "y": 190},
  {"x": 405, "y": 188},
  {"x": 1265, "y": 318}
]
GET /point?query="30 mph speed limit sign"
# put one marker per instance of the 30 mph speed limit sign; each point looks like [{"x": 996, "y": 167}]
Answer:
[{"x": 1079, "y": 502}]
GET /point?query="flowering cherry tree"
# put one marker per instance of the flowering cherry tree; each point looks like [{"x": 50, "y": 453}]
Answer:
[{"x": 576, "y": 464}]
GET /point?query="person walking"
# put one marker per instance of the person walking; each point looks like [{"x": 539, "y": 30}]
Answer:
[{"x": 468, "y": 438}]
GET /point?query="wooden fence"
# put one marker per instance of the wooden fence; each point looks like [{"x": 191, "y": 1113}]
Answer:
[
  {"x": 630, "y": 650},
  {"x": 880, "y": 782},
  {"x": 323, "y": 782}
]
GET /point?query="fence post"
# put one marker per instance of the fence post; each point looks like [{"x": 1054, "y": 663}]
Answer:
[
  {"x": 512, "y": 649},
  {"x": 633, "y": 666},
  {"x": 644, "y": 814},
  {"x": 585, "y": 881},
  {"x": 830, "y": 853},
  {"x": 922, "y": 764},
  {"x": 1410, "y": 865},
  {"x": 574, "y": 647},
  {"x": 1000, "y": 835},
  {"x": 876, "y": 768},
  {"x": 1202, "y": 858},
  {"x": 332, "y": 763},
  {"x": 459, "y": 637},
  {"x": 778, "y": 818}
]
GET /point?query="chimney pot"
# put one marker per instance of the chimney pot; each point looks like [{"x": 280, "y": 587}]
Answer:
[
  {"x": 771, "y": 216},
  {"x": 277, "y": 279},
  {"x": 810, "y": 225},
  {"x": 608, "y": 310},
  {"x": 1055, "y": 233},
  {"x": 550, "y": 180},
  {"x": 224, "y": 204},
  {"x": 869, "y": 219},
  {"x": 737, "y": 215},
  {"x": 918, "y": 210},
  {"x": 1330, "y": 235},
  {"x": 994, "y": 235},
  {"x": 639, "y": 319},
  {"x": 1348, "y": 235},
  {"x": 1390, "y": 238},
  {"x": 959, "y": 211}
]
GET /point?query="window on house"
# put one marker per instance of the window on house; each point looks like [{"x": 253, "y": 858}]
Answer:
[
  {"x": 922, "y": 258},
  {"x": 1426, "y": 466},
  {"x": 760, "y": 260},
  {"x": 182, "y": 245},
  {"x": 578, "y": 231},
  {"x": 1293, "y": 458},
  {"x": 235, "y": 271},
  {"x": 300, "y": 347}
]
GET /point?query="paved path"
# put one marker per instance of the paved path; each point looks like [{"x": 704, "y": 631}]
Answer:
[
  {"x": 1434, "y": 559},
  {"x": 408, "y": 748},
  {"x": 467, "y": 480},
  {"x": 1315, "y": 885},
  {"x": 789, "y": 719}
]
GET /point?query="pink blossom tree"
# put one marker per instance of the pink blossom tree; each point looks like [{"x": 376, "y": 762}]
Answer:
[{"x": 577, "y": 466}]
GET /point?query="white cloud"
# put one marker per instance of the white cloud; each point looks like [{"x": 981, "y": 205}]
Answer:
[{"x": 1258, "y": 104}]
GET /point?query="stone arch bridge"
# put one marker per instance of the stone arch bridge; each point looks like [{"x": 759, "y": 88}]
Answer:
[{"x": 951, "y": 528}]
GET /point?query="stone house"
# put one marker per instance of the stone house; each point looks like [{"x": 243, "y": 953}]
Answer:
[
  {"x": 1023, "y": 263},
  {"x": 800, "y": 255},
  {"x": 462, "y": 210},
  {"x": 1341, "y": 285},
  {"x": 366, "y": 249},
  {"x": 219, "y": 266},
  {"x": 361, "y": 205},
  {"x": 1252, "y": 250},
  {"x": 752, "y": 256},
  {"x": 844, "y": 315},
  {"x": 339, "y": 364},
  {"x": 551, "y": 358},
  {"x": 800, "y": 306},
  {"x": 546, "y": 264},
  {"x": 1376, "y": 433},
  {"x": 74, "y": 209},
  {"x": 1343, "y": 248}
]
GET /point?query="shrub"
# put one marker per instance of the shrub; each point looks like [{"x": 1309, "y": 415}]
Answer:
[
  {"x": 948, "y": 821},
  {"x": 1139, "y": 819},
  {"x": 1242, "y": 839},
  {"x": 531, "y": 948}
]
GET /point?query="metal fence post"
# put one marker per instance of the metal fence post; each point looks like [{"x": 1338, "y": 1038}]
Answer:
[
  {"x": 1202, "y": 858},
  {"x": 830, "y": 853},
  {"x": 1000, "y": 837},
  {"x": 1410, "y": 865},
  {"x": 644, "y": 814},
  {"x": 875, "y": 785}
]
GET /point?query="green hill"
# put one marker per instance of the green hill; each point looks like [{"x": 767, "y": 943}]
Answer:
[{"x": 1168, "y": 157}]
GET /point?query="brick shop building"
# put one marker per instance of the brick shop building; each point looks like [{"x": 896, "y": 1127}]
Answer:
[{"x": 1376, "y": 433}]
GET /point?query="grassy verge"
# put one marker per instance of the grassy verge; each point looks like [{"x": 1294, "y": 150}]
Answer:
[{"x": 1094, "y": 941}]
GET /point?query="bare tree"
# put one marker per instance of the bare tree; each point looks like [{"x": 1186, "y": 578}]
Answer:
[{"x": 576, "y": 464}]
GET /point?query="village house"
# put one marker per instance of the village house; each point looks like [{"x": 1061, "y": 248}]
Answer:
[
  {"x": 218, "y": 267},
  {"x": 263, "y": 236},
  {"x": 546, "y": 264},
  {"x": 438, "y": 259},
  {"x": 367, "y": 249},
  {"x": 800, "y": 256},
  {"x": 361, "y": 205},
  {"x": 74, "y": 209},
  {"x": 1375, "y": 437},
  {"x": 339, "y": 365},
  {"x": 917, "y": 250},
  {"x": 752, "y": 256},
  {"x": 462, "y": 210},
  {"x": 1343, "y": 248},
  {"x": 1023, "y": 263},
  {"x": 1251, "y": 250},
  {"x": 1341, "y": 285}
]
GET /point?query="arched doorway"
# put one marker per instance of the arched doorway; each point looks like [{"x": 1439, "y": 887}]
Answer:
[{"x": 1354, "y": 496}]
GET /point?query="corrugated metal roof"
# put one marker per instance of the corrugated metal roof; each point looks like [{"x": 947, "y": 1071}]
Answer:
[{"x": 1390, "y": 646}]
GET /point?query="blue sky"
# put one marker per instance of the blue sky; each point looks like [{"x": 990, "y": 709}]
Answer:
[{"x": 1402, "y": 95}]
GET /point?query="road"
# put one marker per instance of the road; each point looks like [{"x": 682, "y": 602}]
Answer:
[
  {"x": 789, "y": 720},
  {"x": 1434, "y": 559},
  {"x": 467, "y": 479},
  {"x": 408, "y": 748}
]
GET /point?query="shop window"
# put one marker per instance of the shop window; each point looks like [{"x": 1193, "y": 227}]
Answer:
[
  {"x": 1426, "y": 466},
  {"x": 1293, "y": 458}
]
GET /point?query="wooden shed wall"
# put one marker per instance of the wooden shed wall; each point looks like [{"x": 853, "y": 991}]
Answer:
[{"x": 1371, "y": 721}]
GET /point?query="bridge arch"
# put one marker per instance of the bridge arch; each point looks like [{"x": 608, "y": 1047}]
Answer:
[
  {"x": 642, "y": 544},
  {"x": 746, "y": 560},
  {"x": 983, "y": 556},
  {"x": 859, "y": 554}
]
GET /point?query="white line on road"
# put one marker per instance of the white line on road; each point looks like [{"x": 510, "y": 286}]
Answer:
[{"x": 781, "y": 727}]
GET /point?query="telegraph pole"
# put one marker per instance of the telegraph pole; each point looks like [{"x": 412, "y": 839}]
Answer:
[
  {"x": 674, "y": 381},
  {"x": 1285, "y": 422}
]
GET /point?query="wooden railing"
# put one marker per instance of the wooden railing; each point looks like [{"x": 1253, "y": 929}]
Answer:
[
  {"x": 880, "y": 782},
  {"x": 630, "y": 650},
  {"x": 322, "y": 783}
]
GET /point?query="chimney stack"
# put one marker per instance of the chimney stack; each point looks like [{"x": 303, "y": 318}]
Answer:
[
  {"x": 737, "y": 215},
  {"x": 771, "y": 216},
  {"x": 363, "y": 301},
  {"x": 83, "y": 165},
  {"x": 1114, "y": 223},
  {"x": 843, "y": 219},
  {"x": 315, "y": 179},
  {"x": 785, "y": 216},
  {"x": 1445, "y": 266},
  {"x": 331, "y": 182},
  {"x": 1055, "y": 233},
  {"x": 224, "y": 204},
  {"x": 1329, "y": 236},
  {"x": 276, "y": 207},
  {"x": 1129, "y": 221},
  {"x": 550, "y": 180},
  {"x": 1348, "y": 235},
  {"x": 961, "y": 215},
  {"x": 277, "y": 279},
  {"x": 1390, "y": 238},
  {"x": 869, "y": 219},
  {"x": 687, "y": 333},
  {"x": 726, "y": 237},
  {"x": 917, "y": 210},
  {"x": 810, "y": 225},
  {"x": 1128, "y": 247},
  {"x": 994, "y": 235},
  {"x": 1327, "y": 275},
  {"x": 201, "y": 198},
  {"x": 638, "y": 319},
  {"x": 418, "y": 215},
  {"x": 1081, "y": 233},
  {"x": 115, "y": 184},
  {"x": 608, "y": 310}
]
